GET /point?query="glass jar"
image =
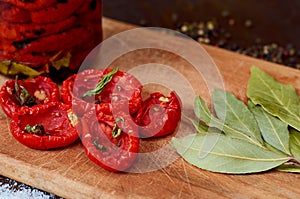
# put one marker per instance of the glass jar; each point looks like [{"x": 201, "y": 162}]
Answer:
[{"x": 48, "y": 37}]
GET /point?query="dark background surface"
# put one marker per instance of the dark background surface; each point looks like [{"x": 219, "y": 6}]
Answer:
[{"x": 271, "y": 21}]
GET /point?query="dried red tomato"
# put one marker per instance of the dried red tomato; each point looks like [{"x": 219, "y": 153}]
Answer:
[
  {"x": 110, "y": 141},
  {"x": 159, "y": 115},
  {"x": 45, "y": 126},
  {"x": 14, "y": 14},
  {"x": 42, "y": 37},
  {"x": 119, "y": 91},
  {"x": 55, "y": 42},
  {"x": 58, "y": 12},
  {"x": 89, "y": 11},
  {"x": 35, "y": 61},
  {"x": 16, "y": 93},
  {"x": 17, "y": 32},
  {"x": 31, "y": 5}
]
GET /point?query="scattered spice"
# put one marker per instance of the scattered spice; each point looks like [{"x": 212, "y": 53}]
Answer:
[{"x": 212, "y": 33}]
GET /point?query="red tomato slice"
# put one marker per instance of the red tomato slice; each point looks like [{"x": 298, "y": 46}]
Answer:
[
  {"x": 122, "y": 93},
  {"x": 41, "y": 90},
  {"x": 45, "y": 126},
  {"x": 110, "y": 141},
  {"x": 159, "y": 115}
]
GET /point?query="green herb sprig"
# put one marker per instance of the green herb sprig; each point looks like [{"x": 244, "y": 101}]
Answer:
[
  {"x": 37, "y": 129},
  {"x": 101, "y": 85},
  {"x": 116, "y": 132},
  {"x": 22, "y": 95}
]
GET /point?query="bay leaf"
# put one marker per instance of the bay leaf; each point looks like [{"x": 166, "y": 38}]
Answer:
[
  {"x": 295, "y": 143},
  {"x": 59, "y": 63},
  {"x": 228, "y": 155},
  {"x": 203, "y": 128},
  {"x": 289, "y": 168},
  {"x": 235, "y": 114},
  {"x": 278, "y": 99},
  {"x": 274, "y": 131},
  {"x": 293, "y": 165},
  {"x": 200, "y": 127},
  {"x": 12, "y": 68},
  {"x": 203, "y": 113},
  {"x": 271, "y": 148},
  {"x": 201, "y": 110}
]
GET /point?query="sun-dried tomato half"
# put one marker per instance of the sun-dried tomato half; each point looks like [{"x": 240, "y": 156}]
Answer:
[
  {"x": 45, "y": 126},
  {"x": 15, "y": 94}
]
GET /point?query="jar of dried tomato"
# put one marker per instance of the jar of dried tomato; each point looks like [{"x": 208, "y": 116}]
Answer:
[{"x": 49, "y": 37}]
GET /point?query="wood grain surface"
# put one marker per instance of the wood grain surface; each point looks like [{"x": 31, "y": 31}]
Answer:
[{"x": 68, "y": 172}]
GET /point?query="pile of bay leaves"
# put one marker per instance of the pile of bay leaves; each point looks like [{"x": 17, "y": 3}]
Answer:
[{"x": 259, "y": 136}]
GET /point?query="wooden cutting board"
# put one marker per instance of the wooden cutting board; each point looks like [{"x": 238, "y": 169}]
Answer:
[{"x": 69, "y": 173}]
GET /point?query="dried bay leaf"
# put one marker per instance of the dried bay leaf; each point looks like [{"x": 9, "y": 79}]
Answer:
[
  {"x": 61, "y": 62},
  {"x": 276, "y": 98},
  {"x": 235, "y": 114},
  {"x": 293, "y": 165},
  {"x": 203, "y": 113},
  {"x": 295, "y": 143},
  {"x": 288, "y": 168},
  {"x": 203, "y": 128},
  {"x": 13, "y": 68},
  {"x": 228, "y": 155},
  {"x": 246, "y": 139},
  {"x": 274, "y": 131},
  {"x": 201, "y": 110}
]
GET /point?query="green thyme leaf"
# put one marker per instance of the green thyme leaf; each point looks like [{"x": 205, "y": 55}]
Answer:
[
  {"x": 276, "y": 98},
  {"x": 274, "y": 131},
  {"x": 228, "y": 155},
  {"x": 101, "y": 85}
]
